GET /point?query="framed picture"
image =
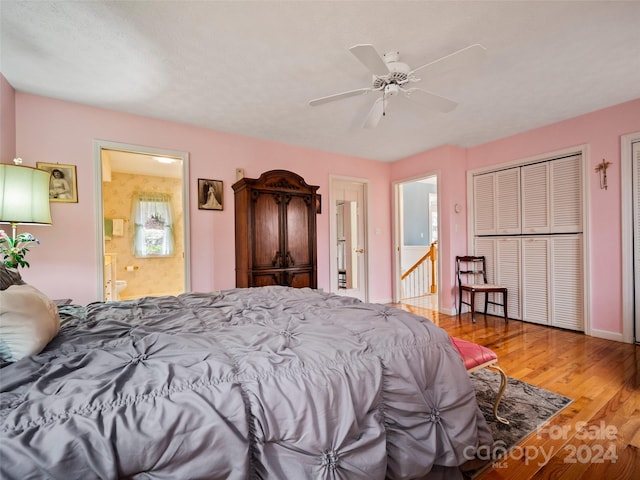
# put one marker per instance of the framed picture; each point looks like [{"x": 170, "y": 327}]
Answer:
[
  {"x": 63, "y": 183},
  {"x": 210, "y": 194}
]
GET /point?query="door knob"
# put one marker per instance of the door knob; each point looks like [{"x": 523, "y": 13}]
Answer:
[{"x": 360, "y": 250}]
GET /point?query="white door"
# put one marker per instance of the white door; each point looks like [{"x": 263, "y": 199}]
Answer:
[
  {"x": 567, "y": 279},
  {"x": 636, "y": 235},
  {"x": 502, "y": 258},
  {"x": 484, "y": 192},
  {"x": 535, "y": 279},
  {"x": 348, "y": 243}
]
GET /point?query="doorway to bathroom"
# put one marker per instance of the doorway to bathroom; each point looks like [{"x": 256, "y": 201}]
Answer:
[{"x": 143, "y": 247}]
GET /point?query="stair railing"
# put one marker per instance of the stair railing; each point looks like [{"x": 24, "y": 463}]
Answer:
[{"x": 415, "y": 280}]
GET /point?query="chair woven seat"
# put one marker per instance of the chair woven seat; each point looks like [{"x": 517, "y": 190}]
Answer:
[{"x": 485, "y": 286}]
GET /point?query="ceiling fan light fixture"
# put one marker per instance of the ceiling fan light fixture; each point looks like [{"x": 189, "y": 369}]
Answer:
[{"x": 391, "y": 90}]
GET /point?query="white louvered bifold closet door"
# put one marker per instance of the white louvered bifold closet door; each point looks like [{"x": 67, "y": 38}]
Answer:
[
  {"x": 484, "y": 201},
  {"x": 528, "y": 223},
  {"x": 502, "y": 256},
  {"x": 535, "y": 280},
  {"x": 535, "y": 198},
  {"x": 508, "y": 274},
  {"x": 507, "y": 200},
  {"x": 636, "y": 233},
  {"x": 567, "y": 282},
  {"x": 565, "y": 176},
  {"x": 487, "y": 247}
]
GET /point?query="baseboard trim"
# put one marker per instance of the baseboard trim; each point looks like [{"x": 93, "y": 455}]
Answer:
[
  {"x": 384, "y": 300},
  {"x": 615, "y": 336}
]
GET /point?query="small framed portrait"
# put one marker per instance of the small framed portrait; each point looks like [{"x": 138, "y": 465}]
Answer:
[
  {"x": 63, "y": 183},
  {"x": 210, "y": 194}
]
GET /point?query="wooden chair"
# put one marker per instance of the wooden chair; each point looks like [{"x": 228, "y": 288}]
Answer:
[{"x": 472, "y": 278}]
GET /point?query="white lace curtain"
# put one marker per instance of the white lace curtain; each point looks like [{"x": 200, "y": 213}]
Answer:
[{"x": 153, "y": 224}]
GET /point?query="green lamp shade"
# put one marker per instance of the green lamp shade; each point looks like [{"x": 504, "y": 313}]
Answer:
[{"x": 24, "y": 195}]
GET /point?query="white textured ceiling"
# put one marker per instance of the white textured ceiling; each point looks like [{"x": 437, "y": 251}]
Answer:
[{"x": 251, "y": 67}]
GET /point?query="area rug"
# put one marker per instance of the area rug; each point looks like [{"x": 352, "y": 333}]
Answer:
[{"x": 525, "y": 406}]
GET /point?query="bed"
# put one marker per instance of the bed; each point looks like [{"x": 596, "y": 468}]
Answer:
[{"x": 269, "y": 382}]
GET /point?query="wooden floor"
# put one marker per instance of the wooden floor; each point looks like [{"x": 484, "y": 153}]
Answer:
[{"x": 595, "y": 437}]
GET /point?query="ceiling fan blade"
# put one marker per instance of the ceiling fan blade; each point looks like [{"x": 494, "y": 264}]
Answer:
[
  {"x": 375, "y": 114},
  {"x": 466, "y": 57},
  {"x": 338, "y": 96},
  {"x": 431, "y": 100},
  {"x": 370, "y": 58}
]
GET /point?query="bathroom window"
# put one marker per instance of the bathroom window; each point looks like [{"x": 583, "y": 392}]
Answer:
[{"x": 153, "y": 225}]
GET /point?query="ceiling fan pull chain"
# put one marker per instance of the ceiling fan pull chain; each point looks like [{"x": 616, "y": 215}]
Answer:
[{"x": 384, "y": 104}]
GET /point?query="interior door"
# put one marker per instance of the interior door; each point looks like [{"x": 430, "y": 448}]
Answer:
[
  {"x": 348, "y": 248},
  {"x": 635, "y": 149}
]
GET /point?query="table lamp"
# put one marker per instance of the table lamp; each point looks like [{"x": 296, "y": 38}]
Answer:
[{"x": 24, "y": 196}]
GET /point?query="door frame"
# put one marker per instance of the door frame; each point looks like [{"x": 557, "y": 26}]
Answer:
[
  {"x": 333, "y": 233},
  {"x": 396, "y": 207},
  {"x": 626, "y": 194},
  {"x": 98, "y": 146}
]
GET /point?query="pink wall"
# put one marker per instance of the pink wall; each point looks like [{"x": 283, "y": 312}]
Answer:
[
  {"x": 7, "y": 122},
  {"x": 601, "y": 131},
  {"x": 65, "y": 264}
]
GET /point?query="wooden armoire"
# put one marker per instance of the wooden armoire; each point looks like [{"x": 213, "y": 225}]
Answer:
[{"x": 275, "y": 221}]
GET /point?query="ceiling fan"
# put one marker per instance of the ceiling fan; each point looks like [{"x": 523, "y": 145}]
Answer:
[{"x": 392, "y": 77}]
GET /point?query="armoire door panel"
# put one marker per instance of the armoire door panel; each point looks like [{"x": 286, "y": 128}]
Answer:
[
  {"x": 298, "y": 247},
  {"x": 266, "y": 279},
  {"x": 299, "y": 278},
  {"x": 267, "y": 252}
]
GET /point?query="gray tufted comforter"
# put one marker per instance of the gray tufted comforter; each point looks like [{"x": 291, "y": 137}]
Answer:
[{"x": 266, "y": 382}]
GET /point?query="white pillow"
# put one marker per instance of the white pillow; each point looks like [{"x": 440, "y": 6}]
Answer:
[{"x": 28, "y": 322}]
